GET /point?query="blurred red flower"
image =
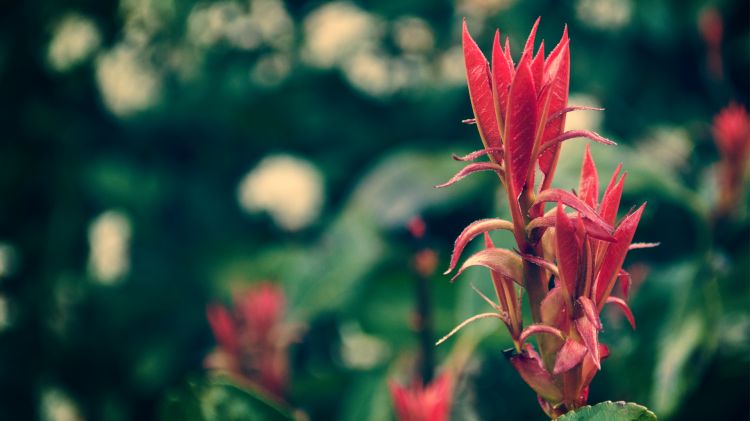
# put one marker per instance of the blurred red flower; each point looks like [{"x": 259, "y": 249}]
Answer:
[
  {"x": 251, "y": 338},
  {"x": 423, "y": 403},
  {"x": 731, "y": 132}
]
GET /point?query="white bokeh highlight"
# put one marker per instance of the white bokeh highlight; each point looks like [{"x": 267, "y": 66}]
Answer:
[{"x": 290, "y": 189}]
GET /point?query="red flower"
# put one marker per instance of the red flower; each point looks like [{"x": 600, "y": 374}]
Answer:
[
  {"x": 420, "y": 403},
  {"x": 731, "y": 131},
  {"x": 251, "y": 338},
  {"x": 520, "y": 112},
  {"x": 711, "y": 27}
]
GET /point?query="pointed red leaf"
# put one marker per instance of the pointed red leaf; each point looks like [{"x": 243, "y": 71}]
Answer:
[
  {"x": 544, "y": 264},
  {"x": 553, "y": 310},
  {"x": 537, "y": 68},
  {"x": 529, "y": 366},
  {"x": 622, "y": 305},
  {"x": 520, "y": 127},
  {"x": 573, "y": 201},
  {"x": 593, "y": 230},
  {"x": 504, "y": 262},
  {"x": 506, "y": 293},
  {"x": 567, "y": 251},
  {"x": 588, "y": 185},
  {"x": 590, "y": 336},
  {"x": 560, "y": 47},
  {"x": 589, "y": 310},
  {"x": 573, "y": 134},
  {"x": 615, "y": 256},
  {"x": 625, "y": 282},
  {"x": 502, "y": 77},
  {"x": 638, "y": 246},
  {"x": 507, "y": 53},
  {"x": 472, "y": 231},
  {"x": 480, "y": 91},
  {"x": 561, "y": 113},
  {"x": 570, "y": 355},
  {"x": 503, "y": 317},
  {"x": 471, "y": 169},
  {"x": 611, "y": 199},
  {"x": 588, "y": 368},
  {"x": 476, "y": 154},
  {"x": 528, "y": 49},
  {"x": 538, "y": 328},
  {"x": 557, "y": 75}
]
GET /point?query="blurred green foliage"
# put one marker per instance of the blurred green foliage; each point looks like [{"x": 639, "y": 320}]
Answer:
[{"x": 147, "y": 114}]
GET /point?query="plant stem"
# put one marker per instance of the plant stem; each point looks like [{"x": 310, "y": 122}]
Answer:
[{"x": 426, "y": 340}]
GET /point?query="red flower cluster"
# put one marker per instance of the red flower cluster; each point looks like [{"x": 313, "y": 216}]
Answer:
[
  {"x": 251, "y": 340},
  {"x": 520, "y": 113},
  {"x": 731, "y": 131},
  {"x": 420, "y": 403}
]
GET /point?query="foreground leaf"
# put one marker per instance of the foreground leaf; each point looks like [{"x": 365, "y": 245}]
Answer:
[
  {"x": 472, "y": 231},
  {"x": 611, "y": 411}
]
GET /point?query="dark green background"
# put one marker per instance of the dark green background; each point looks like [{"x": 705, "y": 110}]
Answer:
[{"x": 120, "y": 351}]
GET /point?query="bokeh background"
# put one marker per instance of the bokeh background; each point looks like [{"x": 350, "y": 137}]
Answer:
[{"x": 157, "y": 155}]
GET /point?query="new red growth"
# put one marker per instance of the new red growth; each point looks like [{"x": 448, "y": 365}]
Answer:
[{"x": 579, "y": 245}]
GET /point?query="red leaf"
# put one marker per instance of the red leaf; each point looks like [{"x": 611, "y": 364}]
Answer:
[
  {"x": 223, "y": 326},
  {"x": 506, "y": 293},
  {"x": 561, "y": 113},
  {"x": 504, "y": 262},
  {"x": 503, "y": 317},
  {"x": 520, "y": 127},
  {"x": 502, "y": 77},
  {"x": 471, "y": 169},
  {"x": 507, "y": 53},
  {"x": 476, "y": 154},
  {"x": 638, "y": 246},
  {"x": 553, "y": 310},
  {"x": 537, "y": 68},
  {"x": 611, "y": 198},
  {"x": 592, "y": 229},
  {"x": 472, "y": 231},
  {"x": 570, "y": 355},
  {"x": 538, "y": 328},
  {"x": 571, "y": 200},
  {"x": 480, "y": 91},
  {"x": 557, "y": 75},
  {"x": 615, "y": 256},
  {"x": 589, "y": 369},
  {"x": 529, "y": 366},
  {"x": 544, "y": 264},
  {"x": 590, "y": 336},
  {"x": 625, "y": 281},
  {"x": 567, "y": 251},
  {"x": 572, "y": 134},
  {"x": 529, "y": 47},
  {"x": 619, "y": 302},
  {"x": 589, "y": 310},
  {"x": 588, "y": 185}
]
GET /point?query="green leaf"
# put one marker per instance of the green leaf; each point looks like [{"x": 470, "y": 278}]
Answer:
[
  {"x": 397, "y": 188},
  {"x": 225, "y": 400},
  {"x": 219, "y": 398},
  {"x": 611, "y": 411}
]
